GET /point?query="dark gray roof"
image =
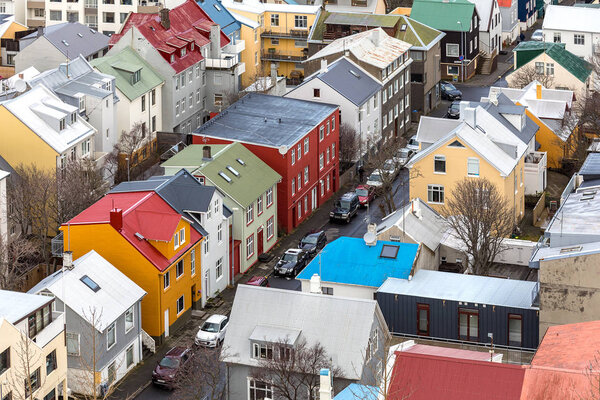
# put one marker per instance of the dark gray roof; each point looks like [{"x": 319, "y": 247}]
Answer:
[
  {"x": 79, "y": 38},
  {"x": 4, "y": 17},
  {"x": 591, "y": 167},
  {"x": 267, "y": 120},
  {"x": 349, "y": 80},
  {"x": 227, "y": 212}
]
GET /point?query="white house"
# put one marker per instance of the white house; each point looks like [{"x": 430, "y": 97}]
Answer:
[
  {"x": 577, "y": 27},
  {"x": 490, "y": 26}
]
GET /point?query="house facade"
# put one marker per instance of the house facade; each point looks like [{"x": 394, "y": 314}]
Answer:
[
  {"x": 576, "y": 27},
  {"x": 298, "y": 139},
  {"x": 490, "y": 33},
  {"x": 10, "y": 32},
  {"x": 103, "y": 307},
  {"x": 527, "y": 14},
  {"x": 249, "y": 187},
  {"x": 509, "y": 14}
]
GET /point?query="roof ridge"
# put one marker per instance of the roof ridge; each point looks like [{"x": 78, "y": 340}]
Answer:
[{"x": 307, "y": 294}]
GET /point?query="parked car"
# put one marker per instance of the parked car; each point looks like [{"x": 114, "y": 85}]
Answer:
[
  {"x": 390, "y": 168},
  {"x": 537, "y": 35},
  {"x": 313, "y": 242},
  {"x": 167, "y": 370},
  {"x": 258, "y": 281},
  {"x": 402, "y": 156},
  {"x": 345, "y": 208},
  {"x": 454, "y": 110},
  {"x": 292, "y": 262},
  {"x": 375, "y": 179},
  {"x": 212, "y": 331},
  {"x": 413, "y": 144},
  {"x": 365, "y": 193},
  {"x": 450, "y": 92}
]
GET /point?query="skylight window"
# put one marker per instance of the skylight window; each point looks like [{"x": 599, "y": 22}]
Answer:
[
  {"x": 217, "y": 7},
  {"x": 240, "y": 161},
  {"x": 80, "y": 35},
  {"x": 403, "y": 27},
  {"x": 232, "y": 170},
  {"x": 355, "y": 74},
  {"x": 65, "y": 43},
  {"x": 89, "y": 282},
  {"x": 389, "y": 251},
  {"x": 570, "y": 249},
  {"x": 224, "y": 176}
]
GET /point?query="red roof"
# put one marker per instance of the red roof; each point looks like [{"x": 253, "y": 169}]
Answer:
[
  {"x": 144, "y": 213},
  {"x": 448, "y": 352},
  {"x": 426, "y": 377},
  {"x": 187, "y": 21},
  {"x": 504, "y": 3}
]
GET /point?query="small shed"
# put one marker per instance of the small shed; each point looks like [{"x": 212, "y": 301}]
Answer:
[{"x": 460, "y": 307}]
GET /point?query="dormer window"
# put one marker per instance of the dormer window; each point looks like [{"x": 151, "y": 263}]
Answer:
[
  {"x": 108, "y": 85},
  {"x": 192, "y": 46},
  {"x": 136, "y": 76},
  {"x": 179, "y": 238},
  {"x": 73, "y": 118},
  {"x": 82, "y": 104},
  {"x": 62, "y": 124},
  {"x": 172, "y": 58},
  {"x": 183, "y": 52}
]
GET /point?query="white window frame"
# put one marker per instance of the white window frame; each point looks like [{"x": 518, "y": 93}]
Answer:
[
  {"x": 219, "y": 268},
  {"x": 182, "y": 297},
  {"x": 432, "y": 189},
  {"x": 193, "y": 262},
  {"x": 130, "y": 311},
  {"x": 452, "y": 50},
  {"x": 112, "y": 327},
  {"x": 473, "y": 161}
]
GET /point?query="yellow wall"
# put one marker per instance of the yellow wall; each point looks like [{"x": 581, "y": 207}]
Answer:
[
  {"x": 14, "y": 27},
  {"x": 456, "y": 170},
  {"x": 18, "y": 143},
  {"x": 549, "y": 142},
  {"x": 119, "y": 252},
  {"x": 253, "y": 69}
]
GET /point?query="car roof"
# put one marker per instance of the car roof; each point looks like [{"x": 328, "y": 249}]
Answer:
[
  {"x": 256, "y": 278},
  {"x": 176, "y": 351},
  {"x": 293, "y": 251},
  {"x": 363, "y": 186},
  {"x": 314, "y": 234},
  {"x": 217, "y": 318},
  {"x": 348, "y": 195}
]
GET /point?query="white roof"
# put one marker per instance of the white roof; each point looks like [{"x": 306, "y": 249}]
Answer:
[
  {"x": 245, "y": 20},
  {"x": 374, "y": 47},
  {"x": 41, "y": 100},
  {"x": 25, "y": 75},
  {"x": 116, "y": 295},
  {"x": 255, "y": 6},
  {"x": 484, "y": 10},
  {"x": 553, "y": 103},
  {"x": 569, "y": 18},
  {"x": 14, "y": 306},
  {"x": 3, "y": 174},
  {"x": 432, "y": 129}
]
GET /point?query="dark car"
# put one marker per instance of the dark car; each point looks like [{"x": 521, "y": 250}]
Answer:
[
  {"x": 454, "y": 110},
  {"x": 365, "y": 193},
  {"x": 345, "y": 208},
  {"x": 167, "y": 370},
  {"x": 313, "y": 242},
  {"x": 450, "y": 92},
  {"x": 258, "y": 281},
  {"x": 292, "y": 262}
]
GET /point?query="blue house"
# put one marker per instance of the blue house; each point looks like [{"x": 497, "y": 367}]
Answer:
[
  {"x": 351, "y": 267},
  {"x": 527, "y": 13}
]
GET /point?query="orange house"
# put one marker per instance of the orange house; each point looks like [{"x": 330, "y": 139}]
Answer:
[{"x": 156, "y": 247}]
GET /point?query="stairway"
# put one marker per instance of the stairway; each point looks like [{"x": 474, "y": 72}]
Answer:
[{"x": 485, "y": 66}]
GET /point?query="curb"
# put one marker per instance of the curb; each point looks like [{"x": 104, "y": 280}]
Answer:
[{"x": 138, "y": 391}]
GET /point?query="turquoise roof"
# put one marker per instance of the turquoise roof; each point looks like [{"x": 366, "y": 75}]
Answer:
[
  {"x": 444, "y": 15},
  {"x": 355, "y": 391},
  {"x": 350, "y": 261}
]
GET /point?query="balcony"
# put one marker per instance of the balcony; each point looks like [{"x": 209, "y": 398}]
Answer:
[
  {"x": 57, "y": 244},
  {"x": 36, "y": 4},
  {"x": 291, "y": 34},
  {"x": 10, "y": 45},
  {"x": 235, "y": 48},
  {"x": 51, "y": 331},
  {"x": 227, "y": 61},
  {"x": 278, "y": 56},
  {"x": 240, "y": 69}
]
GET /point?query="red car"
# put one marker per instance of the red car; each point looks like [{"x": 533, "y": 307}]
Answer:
[
  {"x": 258, "y": 281},
  {"x": 365, "y": 193},
  {"x": 167, "y": 370}
]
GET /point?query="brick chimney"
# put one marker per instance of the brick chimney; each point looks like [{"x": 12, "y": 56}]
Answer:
[
  {"x": 116, "y": 218},
  {"x": 215, "y": 41},
  {"x": 164, "y": 18}
]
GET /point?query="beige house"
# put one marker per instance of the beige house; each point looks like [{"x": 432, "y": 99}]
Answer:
[{"x": 33, "y": 354}]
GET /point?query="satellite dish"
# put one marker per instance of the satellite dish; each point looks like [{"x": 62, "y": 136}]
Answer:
[
  {"x": 20, "y": 85},
  {"x": 283, "y": 149},
  {"x": 370, "y": 239}
]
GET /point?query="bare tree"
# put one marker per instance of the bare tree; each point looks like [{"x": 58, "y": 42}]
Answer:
[
  {"x": 480, "y": 217},
  {"x": 349, "y": 144},
  {"x": 203, "y": 376},
  {"x": 130, "y": 142},
  {"x": 17, "y": 257},
  {"x": 527, "y": 74},
  {"x": 26, "y": 376}
]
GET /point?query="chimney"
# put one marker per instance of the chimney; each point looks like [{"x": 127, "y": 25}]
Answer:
[
  {"x": 494, "y": 98},
  {"x": 326, "y": 385},
  {"x": 116, "y": 218},
  {"x": 469, "y": 116},
  {"x": 206, "y": 156},
  {"x": 538, "y": 91},
  {"x": 40, "y": 31},
  {"x": 323, "y": 65},
  {"x": 315, "y": 284},
  {"x": 164, "y": 18},
  {"x": 215, "y": 41},
  {"x": 274, "y": 73},
  {"x": 68, "y": 259},
  {"x": 416, "y": 208}
]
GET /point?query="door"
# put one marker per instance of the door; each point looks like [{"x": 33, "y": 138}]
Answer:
[
  {"x": 313, "y": 198},
  {"x": 423, "y": 319},
  {"x": 259, "y": 241},
  {"x": 333, "y": 179},
  {"x": 167, "y": 323},
  {"x": 207, "y": 283},
  {"x": 193, "y": 297}
]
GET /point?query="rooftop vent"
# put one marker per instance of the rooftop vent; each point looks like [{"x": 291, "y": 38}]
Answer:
[
  {"x": 80, "y": 35},
  {"x": 224, "y": 176},
  {"x": 139, "y": 236},
  {"x": 65, "y": 42},
  {"x": 240, "y": 161},
  {"x": 232, "y": 170},
  {"x": 355, "y": 74},
  {"x": 570, "y": 249}
]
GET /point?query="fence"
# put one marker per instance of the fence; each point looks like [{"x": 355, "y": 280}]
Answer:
[{"x": 539, "y": 208}]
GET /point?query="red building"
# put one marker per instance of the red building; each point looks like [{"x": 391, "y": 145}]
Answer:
[{"x": 298, "y": 139}]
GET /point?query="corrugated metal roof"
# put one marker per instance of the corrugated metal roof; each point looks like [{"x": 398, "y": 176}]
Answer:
[
  {"x": 369, "y": 20},
  {"x": 74, "y": 39},
  {"x": 220, "y": 15},
  {"x": 591, "y": 167},
  {"x": 444, "y": 14},
  {"x": 465, "y": 288},
  {"x": 421, "y": 36},
  {"x": 14, "y": 306},
  {"x": 116, "y": 295}
]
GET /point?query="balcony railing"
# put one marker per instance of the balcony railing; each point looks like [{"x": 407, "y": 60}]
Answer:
[
  {"x": 236, "y": 48},
  {"x": 291, "y": 34},
  {"x": 226, "y": 61},
  {"x": 91, "y": 4},
  {"x": 57, "y": 244},
  {"x": 278, "y": 56}
]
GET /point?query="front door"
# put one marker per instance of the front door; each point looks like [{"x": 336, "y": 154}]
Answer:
[
  {"x": 193, "y": 297},
  {"x": 259, "y": 241},
  {"x": 313, "y": 199},
  {"x": 207, "y": 283},
  {"x": 167, "y": 323}
]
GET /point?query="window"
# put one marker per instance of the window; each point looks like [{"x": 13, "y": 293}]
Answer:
[
  {"x": 556, "y": 37},
  {"x": 206, "y": 242},
  {"x": 183, "y": 105},
  {"x": 549, "y": 68},
  {"x": 4, "y": 360},
  {"x": 439, "y": 164},
  {"x": 328, "y": 129},
  {"x": 250, "y": 214},
  {"x": 154, "y": 123},
  {"x": 333, "y": 144},
  {"x": 193, "y": 260},
  {"x": 50, "y": 362},
  {"x": 578, "y": 39},
  {"x": 316, "y": 92},
  {"x": 299, "y": 151},
  {"x": 167, "y": 279},
  {"x": 406, "y": 101},
  {"x": 293, "y": 186},
  {"x": 250, "y": 246},
  {"x": 332, "y": 123},
  {"x": 423, "y": 319},
  {"x": 468, "y": 324},
  {"x": 180, "y": 304},
  {"x": 259, "y": 205},
  {"x": 293, "y": 156},
  {"x": 306, "y": 143},
  {"x": 452, "y": 69},
  {"x": 299, "y": 181},
  {"x": 539, "y": 68},
  {"x": 300, "y": 21},
  {"x": 321, "y": 132},
  {"x": 191, "y": 100},
  {"x": 269, "y": 197},
  {"x": 177, "y": 108},
  {"x": 55, "y": 15},
  {"x": 111, "y": 336},
  {"x": 129, "y": 356},
  {"x": 327, "y": 183},
  {"x": 473, "y": 167},
  {"x": 270, "y": 230},
  {"x": 112, "y": 372},
  {"x": 435, "y": 194},
  {"x": 129, "y": 319},
  {"x": 452, "y": 50},
  {"x": 143, "y": 102},
  {"x": 219, "y": 268},
  {"x": 306, "y": 174},
  {"x": 72, "y": 344},
  {"x": 274, "y": 19},
  {"x": 33, "y": 383},
  {"x": 515, "y": 330},
  {"x": 50, "y": 396},
  {"x": 179, "y": 269},
  {"x": 176, "y": 240},
  {"x": 321, "y": 163},
  {"x": 327, "y": 290}
]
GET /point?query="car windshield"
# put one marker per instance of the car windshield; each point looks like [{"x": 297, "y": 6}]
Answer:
[
  {"x": 449, "y": 86},
  {"x": 169, "y": 362},
  {"x": 403, "y": 153},
  {"x": 375, "y": 178},
  {"x": 210, "y": 327},
  {"x": 312, "y": 239},
  {"x": 289, "y": 257},
  {"x": 455, "y": 107},
  {"x": 343, "y": 204},
  {"x": 362, "y": 192}
]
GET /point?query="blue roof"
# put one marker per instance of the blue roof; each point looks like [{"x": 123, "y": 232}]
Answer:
[
  {"x": 591, "y": 167},
  {"x": 354, "y": 391},
  {"x": 219, "y": 14},
  {"x": 350, "y": 261}
]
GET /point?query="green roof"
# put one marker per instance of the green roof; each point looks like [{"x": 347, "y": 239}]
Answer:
[
  {"x": 375, "y": 20},
  {"x": 255, "y": 176},
  {"x": 316, "y": 33},
  {"x": 416, "y": 33},
  {"x": 122, "y": 65},
  {"x": 527, "y": 51},
  {"x": 444, "y": 15}
]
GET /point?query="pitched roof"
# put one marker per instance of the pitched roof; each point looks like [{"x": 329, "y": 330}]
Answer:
[
  {"x": 443, "y": 15},
  {"x": 341, "y": 325},
  {"x": 267, "y": 120},
  {"x": 116, "y": 295},
  {"x": 484, "y": 10},
  {"x": 145, "y": 214},
  {"x": 467, "y": 288},
  {"x": 117, "y": 66},
  {"x": 567, "y": 18},
  {"x": 220, "y": 15},
  {"x": 14, "y": 306},
  {"x": 348, "y": 18},
  {"x": 421, "y": 36},
  {"x": 364, "y": 265},
  {"x": 258, "y": 7},
  {"x": 505, "y": 3},
  {"x": 188, "y": 23},
  {"x": 348, "y": 79},
  {"x": 356, "y": 391},
  {"x": 450, "y": 352},
  {"x": 73, "y": 39},
  {"x": 454, "y": 378}
]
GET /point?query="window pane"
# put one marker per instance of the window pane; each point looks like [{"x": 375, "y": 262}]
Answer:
[
  {"x": 423, "y": 320},
  {"x": 473, "y": 326},
  {"x": 463, "y": 324},
  {"x": 514, "y": 331}
]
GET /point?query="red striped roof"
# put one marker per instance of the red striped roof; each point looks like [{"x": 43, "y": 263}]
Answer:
[{"x": 187, "y": 20}]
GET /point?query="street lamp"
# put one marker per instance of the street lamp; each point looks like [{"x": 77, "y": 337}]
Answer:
[{"x": 462, "y": 50}]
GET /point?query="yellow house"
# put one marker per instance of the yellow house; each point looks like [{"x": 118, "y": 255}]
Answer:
[
  {"x": 10, "y": 46},
  {"x": 33, "y": 352},
  {"x": 474, "y": 148},
  {"x": 153, "y": 245},
  {"x": 280, "y": 37}
]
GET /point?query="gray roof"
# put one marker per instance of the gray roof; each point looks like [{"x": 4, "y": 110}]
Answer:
[
  {"x": 14, "y": 306},
  {"x": 554, "y": 253},
  {"x": 267, "y": 120},
  {"x": 79, "y": 39},
  {"x": 591, "y": 167},
  {"x": 341, "y": 325},
  {"x": 465, "y": 288},
  {"x": 349, "y": 80}
]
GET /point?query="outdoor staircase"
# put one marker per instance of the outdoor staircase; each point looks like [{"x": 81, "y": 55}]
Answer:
[
  {"x": 486, "y": 62},
  {"x": 148, "y": 345}
]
